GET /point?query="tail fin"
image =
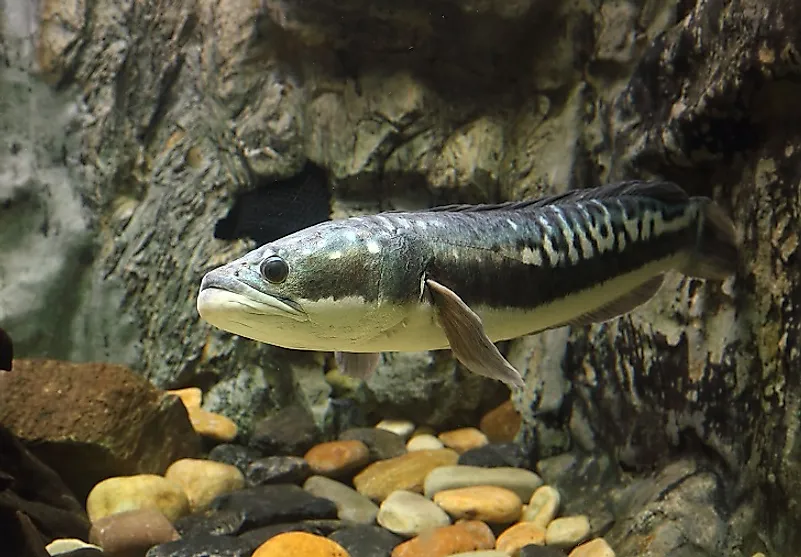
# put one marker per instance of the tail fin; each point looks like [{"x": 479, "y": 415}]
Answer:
[{"x": 716, "y": 251}]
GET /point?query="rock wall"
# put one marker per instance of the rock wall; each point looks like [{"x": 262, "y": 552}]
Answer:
[{"x": 154, "y": 114}]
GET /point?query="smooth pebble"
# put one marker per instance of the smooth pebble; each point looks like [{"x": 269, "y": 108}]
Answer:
[
  {"x": 568, "y": 531},
  {"x": 337, "y": 458},
  {"x": 351, "y": 505},
  {"x": 407, "y": 472},
  {"x": 191, "y": 396},
  {"x": 594, "y": 548},
  {"x": 143, "y": 491},
  {"x": 495, "y": 505},
  {"x": 463, "y": 439},
  {"x": 543, "y": 506},
  {"x": 468, "y": 535},
  {"x": 409, "y": 514},
  {"x": 300, "y": 544},
  {"x": 502, "y": 423},
  {"x": 423, "y": 442},
  {"x": 204, "y": 480},
  {"x": 520, "y": 535},
  {"x": 522, "y": 482},
  {"x": 402, "y": 428},
  {"x": 61, "y": 546},
  {"x": 132, "y": 532},
  {"x": 211, "y": 425}
]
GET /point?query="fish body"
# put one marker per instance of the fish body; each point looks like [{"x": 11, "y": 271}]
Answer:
[{"x": 466, "y": 277}]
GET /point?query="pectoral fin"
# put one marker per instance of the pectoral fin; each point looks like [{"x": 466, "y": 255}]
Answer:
[
  {"x": 358, "y": 365},
  {"x": 469, "y": 343}
]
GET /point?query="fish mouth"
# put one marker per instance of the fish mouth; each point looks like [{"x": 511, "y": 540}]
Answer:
[{"x": 222, "y": 293}]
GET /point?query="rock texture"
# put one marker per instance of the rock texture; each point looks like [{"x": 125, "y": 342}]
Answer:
[{"x": 154, "y": 115}]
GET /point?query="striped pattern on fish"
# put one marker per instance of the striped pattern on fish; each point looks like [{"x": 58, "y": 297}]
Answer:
[{"x": 468, "y": 276}]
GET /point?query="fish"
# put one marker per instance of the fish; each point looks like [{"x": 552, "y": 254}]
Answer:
[
  {"x": 465, "y": 277},
  {"x": 6, "y": 351}
]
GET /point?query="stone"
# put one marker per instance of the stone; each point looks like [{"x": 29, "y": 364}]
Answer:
[
  {"x": 70, "y": 546},
  {"x": 491, "y": 504},
  {"x": 290, "y": 431},
  {"x": 238, "y": 455},
  {"x": 520, "y": 535},
  {"x": 271, "y": 504},
  {"x": 568, "y": 531},
  {"x": 594, "y": 548},
  {"x": 203, "y": 480},
  {"x": 406, "y": 472},
  {"x": 190, "y": 396},
  {"x": 351, "y": 505},
  {"x": 383, "y": 444},
  {"x": 203, "y": 545},
  {"x": 336, "y": 459},
  {"x": 277, "y": 470},
  {"x": 502, "y": 423},
  {"x": 468, "y": 535},
  {"x": 482, "y": 553},
  {"x": 533, "y": 550},
  {"x": 300, "y": 544},
  {"x": 543, "y": 506},
  {"x": 323, "y": 527},
  {"x": 408, "y": 514},
  {"x": 217, "y": 523},
  {"x": 522, "y": 482},
  {"x": 144, "y": 491},
  {"x": 463, "y": 439},
  {"x": 402, "y": 428},
  {"x": 132, "y": 532},
  {"x": 496, "y": 455},
  {"x": 366, "y": 541},
  {"x": 91, "y": 421},
  {"x": 214, "y": 426},
  {"x": 424, "y": 442}
]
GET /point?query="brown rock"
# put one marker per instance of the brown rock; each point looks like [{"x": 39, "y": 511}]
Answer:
[
  {"x": 520, "y": 535},
  {"x": 496, "y": 505},
  {"x": 464, "y": 439},
  {"x": 406, "y": 472},
  {"x": 469, "y": 535},
  {"x": 132, "y": 533},
  {"x": 93, "y": 421},
  {"x": 337, "y": 458},
  {"x": 594, "y": 548},
  {"x": 300, "y": 544},
  {"x": 211, "y": 425},
  {"x": 191, "y": 396},
  {"x": 501, "y": 424}
]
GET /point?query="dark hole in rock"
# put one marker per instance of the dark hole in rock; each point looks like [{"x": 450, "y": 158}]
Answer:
[{"x": 277, "y": 208}]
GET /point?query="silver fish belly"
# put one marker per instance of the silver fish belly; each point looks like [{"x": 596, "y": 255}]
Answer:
[{"x": 465, "y": 277}]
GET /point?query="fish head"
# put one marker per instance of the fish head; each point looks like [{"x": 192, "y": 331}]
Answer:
[{"x": 316, "y": 289}]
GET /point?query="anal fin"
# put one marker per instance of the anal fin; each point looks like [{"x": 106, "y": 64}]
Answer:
[
  {"x": 358, "y": 365},
  {"x": 617, "y": 307},
  {"x": 469, "y": 342}
]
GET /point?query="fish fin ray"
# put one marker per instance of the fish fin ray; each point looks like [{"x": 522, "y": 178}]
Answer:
[
  {"x": 619, "y": 306},
  {"x": 357, "y": 364},
  {"x": 716, "y": 252},
  {"x": 468, "y": 340},
  {"x": 656, "y": 189}
]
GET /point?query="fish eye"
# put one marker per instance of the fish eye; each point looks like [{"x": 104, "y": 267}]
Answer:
[{"x": 274, "y": 269}]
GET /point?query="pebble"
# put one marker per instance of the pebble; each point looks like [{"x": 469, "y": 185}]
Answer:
[
  {"x": 366, "y": 541},
  {"x": 496, "y": 455},
  {"x": 258, "y": 536},
  {"x": 300, "y": 544},
  {"x": 468, "y": 535},
  {"x": 532, "y": 550},
  {"x": 383, "y": 444},
  {"x": 132, "y": 532},
  {"x": 219, "y": 523},
  {"x": 211, "y": 425},
  {"x": 238, "y": 455},
  {"x": 522, "y": 482},
  {"x": 568, "y": 531},
  {"x": 204, "y": 480},
  {"x": 402, "y": 428},
  {"x": 290, "y": 431},
  {"x": 495, "y": 505},
  {"x": 337, "y": 458},
  {"x": 595, "y": 548},
  {"x": 463, "y": 439},
  {"x": 543, "y": 506},
  {"x": 127, "y": 493},
  {"x": 203, "y": 545},
  {"x": 271, "y": 504},
  {"x": 69, "y": 545},
  {"x": 520, "y": 535},
  {"x": 407, "y": 472},
  {"x": 424, "y": 442},
  {"x": 502, "y": 423},
  {"x": 191, "y": 396},
  {"x": 277, "y": 470},
  {"x": 409, "y": 514},
  {"x": 351, "y": 505}
]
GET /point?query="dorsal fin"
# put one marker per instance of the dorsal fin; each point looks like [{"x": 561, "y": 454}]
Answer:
[{"x": 655, "y": 189}]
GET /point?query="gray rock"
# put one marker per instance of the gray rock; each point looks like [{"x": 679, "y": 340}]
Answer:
[
  {"x": 203, "y": 545},
  {"x": 382, "y": 444},
  {"x": 522, "y": 482},
  {"x": 254, "y": 538},
  {"x": 291, "y": 431},
  {"x": 409, "y": 514},
  {"x": 277, "y": 469},
  {"x": 366, "y": 541},
  {"x": 351, "y": 505},
  {"x": 496, "y": 455},
  {"x": 533, "y": 550},
  {"x": 271, "y": 504},
  {"x": 236, "y": 455},
  {"x": 213, "y": 522}
]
